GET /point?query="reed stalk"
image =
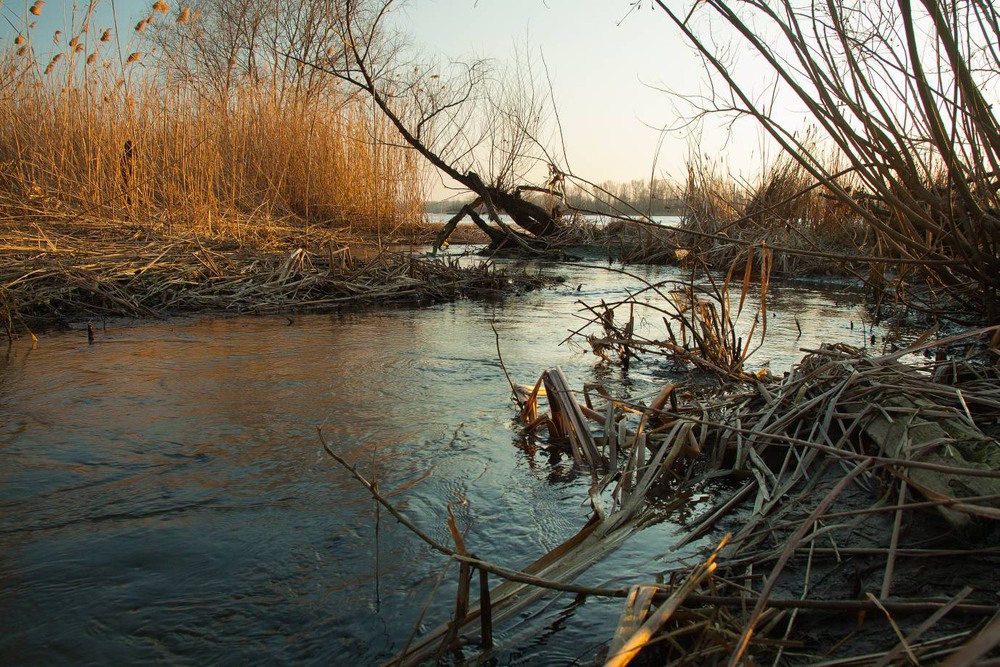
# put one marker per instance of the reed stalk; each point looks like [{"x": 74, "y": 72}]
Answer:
[
  {"x": 900, "y": 91},
  {"x": 86, "y": 131}
]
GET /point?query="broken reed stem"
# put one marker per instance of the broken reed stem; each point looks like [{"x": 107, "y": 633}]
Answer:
[
  {"x": 503, "y": 366},
  {"x": 423, "y": 612},
  {"x": 928, "y": 623},
  {"x": 485, "y": 610},
  {"x": 378, "y": 529},
  {"x": 895, "y": 628},
  {"x": 893, "y": 543},
  {"x": 464, "y": 580},
  {"x": 657, "y": 619}
]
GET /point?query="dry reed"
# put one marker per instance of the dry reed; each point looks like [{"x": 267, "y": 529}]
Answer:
[
  {"x": 62, "y": 272},
  {"x": 784, "y": 208},
  {"x": 127, "y": 139},
  {"x": 711, "y": 324},
  {"x": 903, "y": 92},
  {"x": 128, "y": 189},
  {"x": 862, "y": 493}
]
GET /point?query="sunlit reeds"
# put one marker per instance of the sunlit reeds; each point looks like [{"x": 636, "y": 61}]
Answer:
[
  {"x": 711, "y": 196},
  {"x": 712, "y": 324},
  {"x": 86, "y": 130}
]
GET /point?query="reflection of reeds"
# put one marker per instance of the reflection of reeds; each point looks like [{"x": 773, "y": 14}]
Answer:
[{"x": 266, "y": 153}]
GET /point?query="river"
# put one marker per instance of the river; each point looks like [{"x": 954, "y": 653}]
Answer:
[{"x": 166, "y": 499}]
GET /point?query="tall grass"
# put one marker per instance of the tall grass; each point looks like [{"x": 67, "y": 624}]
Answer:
[
  {"x": 903, "y": 90},
  {"x": 784, "y": 208},
  {"x": 88, "y": 126}
]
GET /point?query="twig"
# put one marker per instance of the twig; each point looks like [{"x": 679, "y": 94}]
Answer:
[{"x": 503, "y": 366}]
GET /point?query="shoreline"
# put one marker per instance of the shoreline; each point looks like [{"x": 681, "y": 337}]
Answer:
[{"x": 56, "y": 273}]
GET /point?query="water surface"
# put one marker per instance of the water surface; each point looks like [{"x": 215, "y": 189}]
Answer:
[{"x": 164, "y": 496}]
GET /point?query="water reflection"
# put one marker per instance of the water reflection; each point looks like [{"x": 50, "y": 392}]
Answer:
[{"x": 165, "y": 497}]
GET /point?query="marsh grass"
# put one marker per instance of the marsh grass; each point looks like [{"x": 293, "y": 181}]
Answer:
[
  {"x": 784, "y": 209},
  {"x": 90, "y": 129}
]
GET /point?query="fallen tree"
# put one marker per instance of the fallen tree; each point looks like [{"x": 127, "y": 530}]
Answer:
[{"x": 433, "y": 117}]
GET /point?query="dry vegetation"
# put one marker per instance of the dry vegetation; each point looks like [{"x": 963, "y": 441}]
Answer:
[
  {"x": 58, "y": 272},
  {"x": 120, "y": 146},
  {"x": 133, "y": 183},
  {"x": 849, "y": 465},
  {"x": 856, "y": 499},
  {"x": 810, "y": 230},
  {"x": 901, "y": 92},
  {"x": 128, "y": 138},
  {"x": 853, "y": 522}
]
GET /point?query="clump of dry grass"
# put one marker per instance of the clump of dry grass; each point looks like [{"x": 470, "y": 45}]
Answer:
[
  {"x": 100, "y": 126},
  {"x": 714, "y": 325},
  {"x": 784, "y": 209}
]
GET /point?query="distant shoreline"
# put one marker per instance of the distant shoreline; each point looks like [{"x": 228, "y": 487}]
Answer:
[{"x": 675, "y": 207}]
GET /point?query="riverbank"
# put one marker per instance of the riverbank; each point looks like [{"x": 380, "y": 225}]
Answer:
[{"x": 57, "y": 271}]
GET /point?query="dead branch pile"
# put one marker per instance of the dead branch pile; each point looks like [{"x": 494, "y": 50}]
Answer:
[
  {"x": 859, "y": 525},
  {"x": 58, "y": 273}
]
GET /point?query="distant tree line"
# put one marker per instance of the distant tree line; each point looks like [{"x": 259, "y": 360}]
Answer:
[
  {"x": 656, "y": 197},
  {"x": 649, "y": 197}
]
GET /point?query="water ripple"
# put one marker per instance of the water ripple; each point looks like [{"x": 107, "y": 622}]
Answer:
[{"x": 166, "y": 499}]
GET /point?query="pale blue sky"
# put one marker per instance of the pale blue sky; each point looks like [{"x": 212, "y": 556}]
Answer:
[{"x": 603, "y": 57}]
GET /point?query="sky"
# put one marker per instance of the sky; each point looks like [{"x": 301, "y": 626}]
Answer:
[{"x": 606, "y": 59}]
